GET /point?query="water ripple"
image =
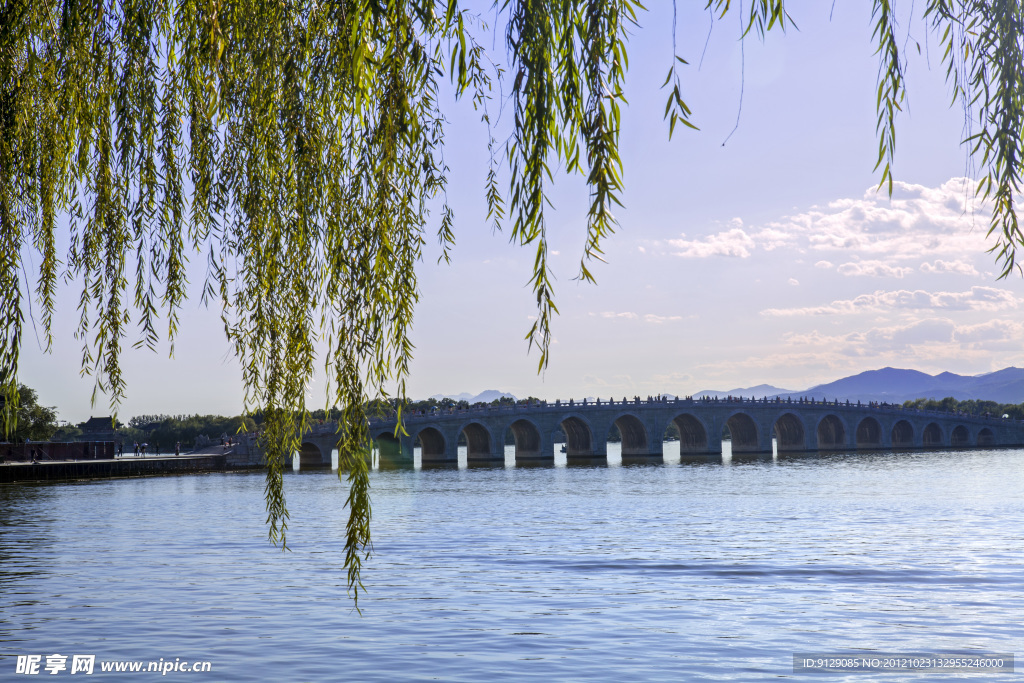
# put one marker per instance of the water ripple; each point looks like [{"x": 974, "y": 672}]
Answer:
[{"x": 671, "y": 572}]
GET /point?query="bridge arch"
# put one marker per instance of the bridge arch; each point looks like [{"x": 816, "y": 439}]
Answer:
[
  {"x": 831, "y": 433},
  {"x": 478, "y": 441},
  {"x": 743, "y": 432},
  {"x": 789, "y": 433},
  {"x": 700, "y": 424},
  {"x": 869, "y": 433},
  {"x": 389, "y": 448},
  {"x": 634, "y": 435},
  {"x": 579, "y": 436},
  {"x": 432, "y": 443},
  {"x": 385, "y": 436},
  {"x": 527, "y": 438},
  {"x": 932, "y": 435},
  {"x": 902, "y": 435},
  {"x": 693, "y": 434},
  {"x": 311, "y": 456}
]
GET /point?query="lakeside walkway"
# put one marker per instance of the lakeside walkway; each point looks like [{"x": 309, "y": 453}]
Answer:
[{"x": 213, "y": 458}]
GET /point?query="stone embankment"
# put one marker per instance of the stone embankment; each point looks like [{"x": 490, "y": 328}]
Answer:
[{"x": 60, "y": 462}]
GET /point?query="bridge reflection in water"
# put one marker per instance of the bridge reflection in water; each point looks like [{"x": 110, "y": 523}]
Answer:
[{"x": 754, "y": 427}]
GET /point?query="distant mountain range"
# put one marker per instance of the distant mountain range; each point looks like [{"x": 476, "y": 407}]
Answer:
[
  {"x": 893, "y": 385},
  {"x": 888, "y": 385},
  {"x": 482, "y": 397}
]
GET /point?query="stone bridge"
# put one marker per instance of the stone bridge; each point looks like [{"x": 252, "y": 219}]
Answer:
[{"x": 755, "y": 426}]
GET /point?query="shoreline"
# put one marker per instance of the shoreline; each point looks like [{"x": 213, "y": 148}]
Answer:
[{"x": 204, "y": 460}]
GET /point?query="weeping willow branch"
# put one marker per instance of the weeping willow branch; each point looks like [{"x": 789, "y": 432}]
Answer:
[
  {"x": 984, "y": 55},
  {"x": 298, "y": 145},
  {"x": 298, "y": 148}
]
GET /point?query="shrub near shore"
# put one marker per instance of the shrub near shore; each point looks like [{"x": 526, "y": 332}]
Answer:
[
  {"x": 166, "y": 430},
  {"x": 970, "y": 407}
]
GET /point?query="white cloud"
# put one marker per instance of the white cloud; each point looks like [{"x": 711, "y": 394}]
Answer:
[
  {"x": 932, "y": 344},
  {"x": 735, "y": 243},
  {"x": 991, "y": 331},
  {"x": 917, "y": 220},
  {"x": 614, "y": 384},
  {"x": 958, "y": 267},
  {"x": 658, "y": 319},
  {"x": 774, "y": 238},
  {"x": 793, "y": 281},
  {"x": 943, "y": 222},
  {"x": 629, "y": 315},
  {"x": 976, "y": 299},
  {"x": 921, "y": 334},
  {"x": 672, "y": 379},
  {"x": 873, "y": 269},
  {"x": 911, "y": 334}
]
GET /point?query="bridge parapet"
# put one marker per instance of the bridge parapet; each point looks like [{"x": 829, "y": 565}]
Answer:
[{"x": 754, "y": 426}]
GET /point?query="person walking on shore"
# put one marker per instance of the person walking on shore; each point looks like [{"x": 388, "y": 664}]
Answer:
[
  {"x": 136, "y": 449},
  {"x": 177, "y": 448}
]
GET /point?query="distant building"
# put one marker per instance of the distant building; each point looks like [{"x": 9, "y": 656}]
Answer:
[{"x": 99, "y": 429}]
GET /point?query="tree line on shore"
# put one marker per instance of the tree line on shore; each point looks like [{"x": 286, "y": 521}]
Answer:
[
  {"x": 164, "y": 431},
  {"x": 968, "y": 407},
  {"x": 40, "y": 423},
  {"x": 167, "y": 430}
]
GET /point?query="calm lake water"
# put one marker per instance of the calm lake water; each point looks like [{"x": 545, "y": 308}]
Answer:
[{"x": 678, "y": 571}]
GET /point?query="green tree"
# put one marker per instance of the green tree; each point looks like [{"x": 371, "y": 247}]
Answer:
[
  {"x": 298, "y": 145},
  {"x": 33, "y": 421},
  {"x": 67, "y": 433},
  {"x": 167, "y": 430},
  {"x": 969, "y": 406}
]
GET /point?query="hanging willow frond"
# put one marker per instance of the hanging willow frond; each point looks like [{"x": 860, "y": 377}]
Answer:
[
  {"x": 297, "y": 145},
  {"x": 984, "y": 54},
  {"x": 569, "y": 61}
]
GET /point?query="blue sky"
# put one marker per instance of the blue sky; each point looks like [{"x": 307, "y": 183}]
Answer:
[{"x": 769, "y": 259}]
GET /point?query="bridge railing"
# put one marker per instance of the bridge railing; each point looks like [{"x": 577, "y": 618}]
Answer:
[{"x": 587, "y": 404}]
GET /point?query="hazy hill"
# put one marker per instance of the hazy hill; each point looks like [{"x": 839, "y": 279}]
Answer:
[
  {"x": 894, "y": 385},
  {"x": 760, "y": 391},
  {"x": 482, "y": 397}
]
